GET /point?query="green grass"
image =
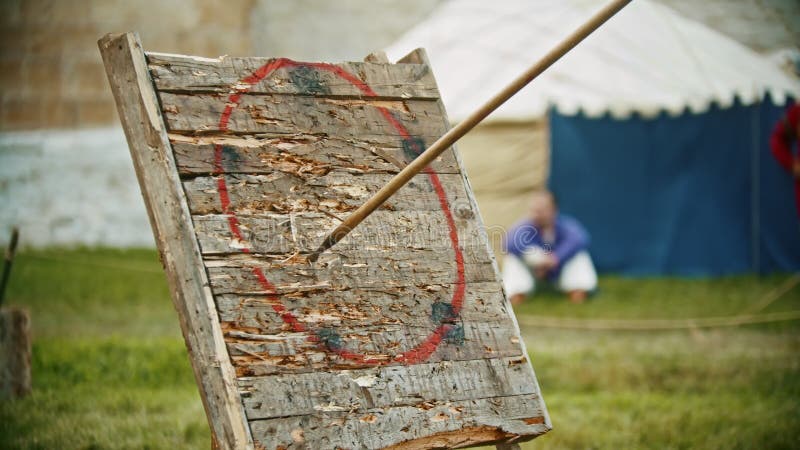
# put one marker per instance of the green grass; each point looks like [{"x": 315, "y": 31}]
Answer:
[
  {"x": 709, "y": 389},
  {"x": 667, "y": 298},
  {"x": 109, "y": 366},
  {"x": 111, "y": 371}
]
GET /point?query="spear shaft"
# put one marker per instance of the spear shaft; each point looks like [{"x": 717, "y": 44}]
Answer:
[{"x": 455, "y": 133}]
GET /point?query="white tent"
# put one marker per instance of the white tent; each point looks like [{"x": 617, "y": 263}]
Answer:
[{"x": 646, "y": 59}]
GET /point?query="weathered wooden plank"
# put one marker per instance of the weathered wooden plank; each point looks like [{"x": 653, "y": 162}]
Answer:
[
  {"x": 335, "y": 192},
  {"x": 267, "y": 233},
  {"x": 195, "y": 155},
  {"x": 15, "y": 353},
  {"x": 293, "y": 352},
  {"x": 483, "y": 302},
  {"x": 300, "y": 352},
  {"x": 224, "y": 74},
  {"x": 281, "y": 115},
  {"x": 360, "y": 390},
  {"x": 169, "y": 216},
  {"x": 302, "y": 232},
  {"x": 344, "y": 268},
  {"x": 439, "y": 425}
]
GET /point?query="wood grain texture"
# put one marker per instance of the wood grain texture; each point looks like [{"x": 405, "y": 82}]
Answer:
[
  {"x": 279, "y": 115},
  {"x": 488, "y": 419},
  {"x": 345, "y": 269},
  {"x": 260, "y": 355},
  {"x": 178, "y": 73},
  {"x": 180, "y": 255},
  {"x": 300, "y": 232},
  {"x": 359, "y": 307},
  {"x": 359, "y": 391},
  {"x": 334, "y": 192},
  {"x": 300, "y": 153}
]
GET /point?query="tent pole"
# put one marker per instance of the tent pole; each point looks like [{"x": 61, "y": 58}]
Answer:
[{"x": 755, "y": 188}]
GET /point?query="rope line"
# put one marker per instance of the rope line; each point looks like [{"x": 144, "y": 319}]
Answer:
[
  {"x": 747, "y": 316},
  {"x": 656, "y": 324},
  {"x": 773, "y": 295}
]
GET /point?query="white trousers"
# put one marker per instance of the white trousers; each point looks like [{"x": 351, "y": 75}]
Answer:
[{"x": 577, "y": 273}]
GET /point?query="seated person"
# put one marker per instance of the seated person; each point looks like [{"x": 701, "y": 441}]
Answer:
[
  {"x": 548, "y": 246},
  {"x": 785, "y": 134}
]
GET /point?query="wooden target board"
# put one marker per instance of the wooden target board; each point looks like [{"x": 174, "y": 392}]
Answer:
[{"x": 398, "y": 337}]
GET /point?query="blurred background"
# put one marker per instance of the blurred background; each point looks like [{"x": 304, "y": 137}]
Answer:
[{"x": 654, "y": 133}]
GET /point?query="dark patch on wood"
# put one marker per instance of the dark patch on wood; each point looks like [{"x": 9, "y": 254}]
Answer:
[
  {"x": 413, "y": 146},
  {"x": 308, "y": 81},
  {"x": 195, "y": 155},
  {"x": 455, "y": 334},
  {"x": 442, "y": 312},
  {"x": 230, "y": 159},
  {"x": 330, "y": 338}
]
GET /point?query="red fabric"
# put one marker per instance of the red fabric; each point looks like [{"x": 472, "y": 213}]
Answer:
[{"x": 783, "y": 136}]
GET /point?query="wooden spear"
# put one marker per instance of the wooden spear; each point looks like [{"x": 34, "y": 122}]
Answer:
[{"x": 455, "y": 133}]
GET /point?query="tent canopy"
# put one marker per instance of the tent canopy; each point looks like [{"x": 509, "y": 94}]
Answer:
[
  {"x": 646, "y": 59},
  {"x": 689, "y": 195}
]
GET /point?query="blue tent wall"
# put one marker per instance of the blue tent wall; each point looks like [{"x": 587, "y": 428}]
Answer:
[
  {"x": 779, "y": 226},
  {"x": 697, "y": 194}
]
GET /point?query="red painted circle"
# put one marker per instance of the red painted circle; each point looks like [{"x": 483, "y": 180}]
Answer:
[{"x": 424, "y": 349}]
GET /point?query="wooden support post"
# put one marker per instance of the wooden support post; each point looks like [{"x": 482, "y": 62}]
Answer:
[
  {"x": 9, "y": 261},
  {"x": 15, "y": 353},
  {"x": 15, "y": 337},
  {"x": 126, "y": 67}
]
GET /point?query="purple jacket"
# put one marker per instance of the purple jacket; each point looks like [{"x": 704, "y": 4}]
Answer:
[{"x": 570, "y": 238}]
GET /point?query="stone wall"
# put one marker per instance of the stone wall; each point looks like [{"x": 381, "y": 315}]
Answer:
[
  {"x": 65, "y": 174},
  {"x": 763, "y": 25},
  {"x": 341, "y": 30},
  {"x": 52, "y": 75}
]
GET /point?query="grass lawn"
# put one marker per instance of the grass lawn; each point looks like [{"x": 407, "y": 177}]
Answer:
[{"x": 110, "y": 369}]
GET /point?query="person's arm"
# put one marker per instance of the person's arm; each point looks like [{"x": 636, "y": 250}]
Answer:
[
  {"x": 573, "y": 238},
  {"x": 780, "y": 142}
]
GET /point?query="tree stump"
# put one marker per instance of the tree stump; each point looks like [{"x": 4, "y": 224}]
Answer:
[{"x": 15, "y": 353}]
